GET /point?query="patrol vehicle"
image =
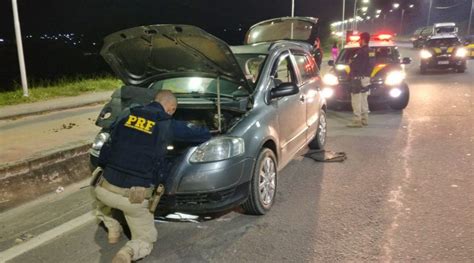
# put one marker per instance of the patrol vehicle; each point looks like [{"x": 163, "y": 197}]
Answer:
[
  {"x": 443, "y": 51},
  {"x": 387, "y": 78},
  {"x": 469, "y": 44}
]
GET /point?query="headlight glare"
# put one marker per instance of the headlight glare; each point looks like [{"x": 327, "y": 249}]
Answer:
[
  {"x": 461, "y": 52},
  {"x": 395, "y": 93},
  {"x": 100, "y": 140},
  {"x": 395, "y": 78},
  {"x": 330, "y": 79},
  {"x": 218, "y": 149},
  {"x": 425, "y": 54},
  {"x": 328, "y": 92}
]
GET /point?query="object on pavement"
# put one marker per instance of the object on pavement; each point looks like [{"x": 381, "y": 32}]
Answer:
[{"x": 326, "y": 156}]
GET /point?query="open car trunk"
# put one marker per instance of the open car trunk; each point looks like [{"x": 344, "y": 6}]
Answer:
[{"x": 197, "y": 111}]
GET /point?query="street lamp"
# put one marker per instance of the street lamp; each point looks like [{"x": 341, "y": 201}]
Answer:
[
  {"x": 396, "y": 5},
  {"x": 364, "y": 9}
]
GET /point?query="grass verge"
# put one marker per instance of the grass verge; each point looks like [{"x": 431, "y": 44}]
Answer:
[{"x": 61, "y": 88}]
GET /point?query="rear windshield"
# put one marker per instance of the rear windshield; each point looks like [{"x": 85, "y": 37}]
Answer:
[
  {"x": 290, "y": 29},
  {"x": 443, "y": 42},
  {"x": 378, "y": 55}
]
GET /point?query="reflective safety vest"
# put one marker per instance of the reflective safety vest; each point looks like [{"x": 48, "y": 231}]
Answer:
[{"x": 139, "y": 142}]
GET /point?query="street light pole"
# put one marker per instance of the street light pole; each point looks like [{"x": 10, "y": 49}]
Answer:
[
  {"x": 19, "y": 45},
  {"x": 292, "y": 8},
  {"x": 470, "y": 18},
  {"x": 429, "y": 13},
  {"x": 343, "y": 37},
  {"x": 354, "y": 24},
  {"x": 401, "y": 21}
]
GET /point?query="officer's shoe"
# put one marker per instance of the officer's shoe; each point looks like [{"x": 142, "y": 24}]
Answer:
[
  {"x": 114, "y": 235},
  {"x": 123, "y": 256},
  {"x": 365, "y": 122},
  {"x": 355, "y": 124}
]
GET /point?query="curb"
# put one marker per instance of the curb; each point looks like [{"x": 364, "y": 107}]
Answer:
[{"x": 27, "y": 179}]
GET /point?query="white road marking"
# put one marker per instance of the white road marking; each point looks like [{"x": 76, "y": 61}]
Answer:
[{"x": 39, "y": 240}]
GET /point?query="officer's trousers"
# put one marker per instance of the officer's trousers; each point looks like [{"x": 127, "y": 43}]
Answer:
[
  {"x": 139, "y": 219},
  {"x": 360, "y": 106}
]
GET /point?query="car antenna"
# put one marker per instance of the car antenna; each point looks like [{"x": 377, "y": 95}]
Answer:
[{"x": 219, "y": 119}]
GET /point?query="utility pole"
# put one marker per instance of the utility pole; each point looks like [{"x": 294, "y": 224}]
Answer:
[
  {"x": 354, "y": 24},
  {"x": 292, "y": 8},
  {"x": 401, "y": 21},
  {"x": 429, "y": 13},
  {"x": 343, "y": 38},
  {"x": 19, "y": 45},
  {"x": 470, "y": 18}
]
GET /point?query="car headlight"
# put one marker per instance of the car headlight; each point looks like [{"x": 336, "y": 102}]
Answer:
[
  {"x": 217, "y": 149},
  {"x": 328, "y": 92},
  {"x": 461, "y": 52},
  {"x": 330, "y": 79},
  {"x": 425, "y": 54},
  {"x": 100, "y": 140},
  {"x": 395, "y": 93},
  {"x": 395, "y": 78}
]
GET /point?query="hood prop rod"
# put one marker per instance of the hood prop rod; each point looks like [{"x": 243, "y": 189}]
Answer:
[{"x": 219, "y": 117}]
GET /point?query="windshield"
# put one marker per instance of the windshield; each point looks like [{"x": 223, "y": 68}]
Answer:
[
  {"x": 441, "y": 30},
  {"x": 199, "y": 86},
  {"x": 251, "y": 65},
  {"x": 289, "y": 29},
  {"x": 378, "y": 55},
  {"x": 443, "y": 42}
]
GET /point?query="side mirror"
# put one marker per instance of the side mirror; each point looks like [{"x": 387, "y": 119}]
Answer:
[
  {"x": 331, "y": 63},
  {"x": 283, "y": 90},
  {"x": 406, "y": 60}
]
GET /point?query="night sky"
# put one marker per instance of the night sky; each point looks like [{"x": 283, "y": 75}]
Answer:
[{"x": 100, "y": 17}]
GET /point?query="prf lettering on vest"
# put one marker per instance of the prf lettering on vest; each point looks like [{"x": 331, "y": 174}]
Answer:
[{"x": 140, "y": 124}]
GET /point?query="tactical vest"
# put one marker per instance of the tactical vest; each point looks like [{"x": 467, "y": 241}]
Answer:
[{"x": 139, "y": 143}]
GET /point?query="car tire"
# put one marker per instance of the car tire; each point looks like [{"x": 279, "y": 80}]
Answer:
[
  {"x": 320, "y": 139},
  {"x": 423, "y": 70},
  {"x": 263, "y": 184},
  {"x": 401, "y": 102},
  {"x": 461, "y": 70}
]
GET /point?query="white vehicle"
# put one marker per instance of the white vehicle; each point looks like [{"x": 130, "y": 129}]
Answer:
[{"x": 445, "y": 28}]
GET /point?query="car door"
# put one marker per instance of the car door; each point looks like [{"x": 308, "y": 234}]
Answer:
[
  {"x": 309, "y": 83},
  {"x": 291, "y": 109}
]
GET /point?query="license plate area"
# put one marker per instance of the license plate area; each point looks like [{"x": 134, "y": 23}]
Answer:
[{"x": 443, "y": 62}]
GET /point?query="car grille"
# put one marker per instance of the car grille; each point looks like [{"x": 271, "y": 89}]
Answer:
[{"x": 204, "y": 198}]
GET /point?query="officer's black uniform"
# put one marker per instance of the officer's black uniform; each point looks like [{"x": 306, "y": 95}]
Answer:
[
  {"x": 360, "y": 68},
  {"x": 136, "y": 155}
]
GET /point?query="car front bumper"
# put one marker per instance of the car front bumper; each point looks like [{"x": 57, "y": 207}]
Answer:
[
  {"x": 379, "y": 93},
  {"x": 204, "y": 187},
  {"x": 443, "y": 62}
]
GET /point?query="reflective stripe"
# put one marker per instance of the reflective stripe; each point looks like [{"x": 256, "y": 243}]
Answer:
[
  {"x": 450, "y": 50},
  {"x": 377, "y": 69},
  {"x": 437, "y": 50}
]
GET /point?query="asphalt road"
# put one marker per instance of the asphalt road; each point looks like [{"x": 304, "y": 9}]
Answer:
[{"x": 405, "y": 193}]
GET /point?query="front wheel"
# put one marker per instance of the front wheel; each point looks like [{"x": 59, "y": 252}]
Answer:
[
  {"x": 461, "y": 69},
  {"x": 263, "y": 184},
  {"x": 320, "y": 140},
  {"x": 401, "y": 102}
]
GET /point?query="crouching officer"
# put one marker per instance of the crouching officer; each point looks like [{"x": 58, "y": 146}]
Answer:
[
  {"x": 360, "y": 79},
  {"x": 133, "y": 168}
]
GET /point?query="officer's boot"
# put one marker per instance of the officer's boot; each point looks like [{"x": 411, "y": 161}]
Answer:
[
  {"x": 365, "y": 120},
  {"x": 114, "y": 235},
  {"x": 355, "y": 123},
  {"x": 124, "y": 255}
]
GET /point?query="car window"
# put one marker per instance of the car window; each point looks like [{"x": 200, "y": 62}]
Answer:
[
  {"x": 307, "y": 67},
  {"x": 283, "y": 70},
  {"x": 377, "y": 55},
  {"x": 443, "y": 42},
  {"x": 251, "y": 65}
]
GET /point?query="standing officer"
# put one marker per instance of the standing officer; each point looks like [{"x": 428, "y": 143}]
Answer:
[
  {"x": 360, "y": 79},
  {"x": 134, "y": 164}
]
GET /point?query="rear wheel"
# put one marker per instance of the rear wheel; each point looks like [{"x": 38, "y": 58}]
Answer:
[
  {"x": 461, "y": 69},
  {"x": 320, "y": 139},
  {"x": 263, "y": 184}
]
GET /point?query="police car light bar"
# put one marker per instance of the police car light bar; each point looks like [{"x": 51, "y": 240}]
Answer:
[
  {"x": 354, "y": 38},
  {"x": 384, "y": 36}
]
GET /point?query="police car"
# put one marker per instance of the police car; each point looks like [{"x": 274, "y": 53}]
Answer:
[
  {"x": 443, "y": 51},
  {"x": 387, "y": 78}
]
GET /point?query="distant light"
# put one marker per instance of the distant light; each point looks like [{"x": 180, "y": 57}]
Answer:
[
  {"x": 391, "y": 10},
  {"x": 364, "y": 9},
  {"x": 378, "y": 11},
  {"x": 411, "y": 6},
  {"x": 365, "y": 1},
  {"x": 2, "y": 40},
  {"x": 93, "y": 43},
  {"x": 377, "y": 16},
  {"x": 368, "y": 17},
  {"x": 396, "y": 5},
  {"x": 240, "y": 29}
]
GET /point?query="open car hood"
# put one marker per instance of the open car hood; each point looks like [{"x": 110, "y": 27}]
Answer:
[
  {"x": 303, "y": 29},
  {"x": 144, "y": 54}
]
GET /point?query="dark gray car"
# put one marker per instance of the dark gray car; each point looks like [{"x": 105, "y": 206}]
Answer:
[{"x": 261, "y": 101}]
